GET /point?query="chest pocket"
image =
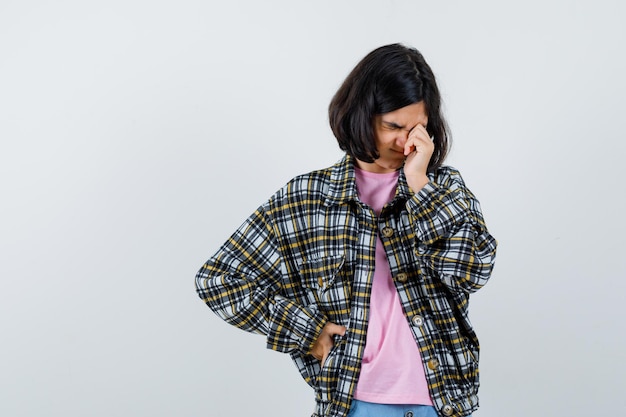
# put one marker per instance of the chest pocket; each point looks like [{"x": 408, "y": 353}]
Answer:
[{"x": 328, "y": 283}]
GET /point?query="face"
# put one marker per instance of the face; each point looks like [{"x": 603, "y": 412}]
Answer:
[{"x": 391, "y": 131}]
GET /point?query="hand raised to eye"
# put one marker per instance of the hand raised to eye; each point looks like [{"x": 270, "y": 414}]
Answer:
[{"x": 418, "y": 150}]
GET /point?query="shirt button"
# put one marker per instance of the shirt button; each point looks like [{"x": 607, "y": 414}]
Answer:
[
  {"x": 387, "y": 231},
  {"x": 433, "y": 364},
  {"x": 418, "y": 321},
  {"x": 402, "y": 277},
  {"x": 408, "y": 414},
  {"x": 447, "y": 410}
]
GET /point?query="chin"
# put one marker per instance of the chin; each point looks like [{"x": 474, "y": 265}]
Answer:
[
  {"x": 390, "y": 166},
  {"x": 395, "y": 164}
]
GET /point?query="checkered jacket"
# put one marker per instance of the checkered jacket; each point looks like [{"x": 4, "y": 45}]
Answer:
[{"x": 306, "y": 257}]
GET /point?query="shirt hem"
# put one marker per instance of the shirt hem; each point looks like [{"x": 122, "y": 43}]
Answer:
[{"x": 387, "y": 399}]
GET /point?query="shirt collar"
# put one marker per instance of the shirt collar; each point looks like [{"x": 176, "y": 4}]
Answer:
[{"x": 343, "y": 184}]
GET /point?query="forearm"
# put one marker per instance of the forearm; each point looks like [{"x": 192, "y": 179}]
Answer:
[
  {"x": 253, "y": 307},
  {"x": 451, "y": 236},
  {"x": 293, "y": 327}
]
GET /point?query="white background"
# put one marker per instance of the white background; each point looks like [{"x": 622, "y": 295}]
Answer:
[{"x": 137, "y": 135}]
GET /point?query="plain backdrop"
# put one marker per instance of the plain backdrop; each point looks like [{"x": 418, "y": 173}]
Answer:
[{"x": 137, "y": 135}]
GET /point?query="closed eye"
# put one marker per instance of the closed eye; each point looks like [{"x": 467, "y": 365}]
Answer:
[{"x": 392, "y": 126}]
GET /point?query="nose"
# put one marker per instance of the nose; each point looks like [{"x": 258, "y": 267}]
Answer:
[{"x": 403, "y": 136}]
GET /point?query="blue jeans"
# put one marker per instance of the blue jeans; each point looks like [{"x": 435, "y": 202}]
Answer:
[{"x": 365, "y": 409}]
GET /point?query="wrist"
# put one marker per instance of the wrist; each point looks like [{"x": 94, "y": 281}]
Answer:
[{"x": 417, "y": 182}]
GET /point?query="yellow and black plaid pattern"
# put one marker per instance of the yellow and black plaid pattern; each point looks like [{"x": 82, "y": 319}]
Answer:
[{"x": 306, "y": 256}]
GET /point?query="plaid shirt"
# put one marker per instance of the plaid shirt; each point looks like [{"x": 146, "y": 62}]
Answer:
[{"x": 307, "y": 255}]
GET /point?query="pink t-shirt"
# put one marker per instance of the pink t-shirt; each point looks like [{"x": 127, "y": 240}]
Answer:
[{"x": 392, "y": 370}]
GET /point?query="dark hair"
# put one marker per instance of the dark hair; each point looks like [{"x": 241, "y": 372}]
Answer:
[{"x": 388, "y": 78}]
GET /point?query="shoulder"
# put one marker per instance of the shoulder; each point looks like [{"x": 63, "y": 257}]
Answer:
[
  {"x": 311, "y": 182},
  {"x": 446, "y": 175},
  {"x": 305, "y": 188}
]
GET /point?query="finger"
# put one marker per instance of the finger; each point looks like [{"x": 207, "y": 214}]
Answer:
[
  {"x": 413, "y": 143},
  {"x": 336, "y": 329},
  {"x": 408, "y": 147},
  {"x": 422, "y": 137},
  {"x": 419, "y": 131},
  {"x": 416, "y": 136}
]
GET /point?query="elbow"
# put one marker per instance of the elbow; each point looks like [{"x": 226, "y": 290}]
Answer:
[
  {"x": 201, "y": 284},
  {"x": 467, "y": 284},
  {"x": 470, "y": 277}
]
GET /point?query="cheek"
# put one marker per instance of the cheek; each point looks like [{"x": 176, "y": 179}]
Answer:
[{"x": 384, "y": 139}]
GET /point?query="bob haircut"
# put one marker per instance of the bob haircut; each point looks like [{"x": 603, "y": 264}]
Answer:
[{"x": 388, "y": 78}]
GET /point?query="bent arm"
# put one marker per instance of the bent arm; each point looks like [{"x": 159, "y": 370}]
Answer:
[
  {"x": 242, "y": 284},
  {"x": 452, "y": 236}
]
